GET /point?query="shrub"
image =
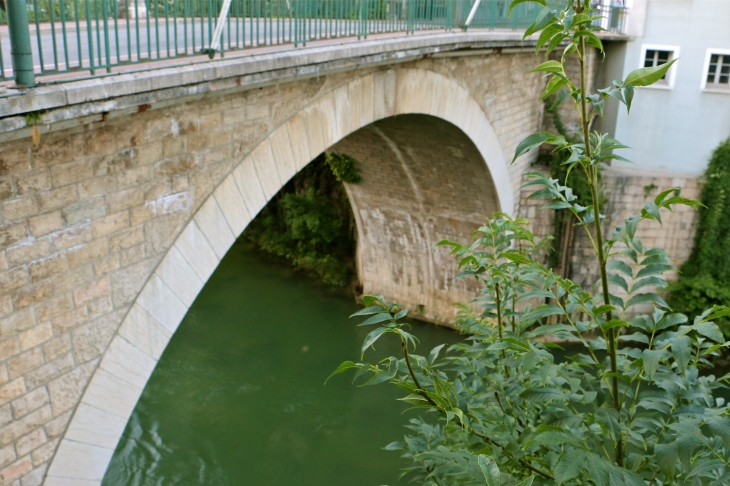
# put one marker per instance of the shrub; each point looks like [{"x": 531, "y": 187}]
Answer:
[
  {"x": 705, "y": 277},
  {"x": 309, "y": 223},
  {"x": 632, "y": 408}
]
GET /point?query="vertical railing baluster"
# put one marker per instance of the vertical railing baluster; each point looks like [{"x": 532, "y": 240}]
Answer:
[
  {"x": 115, "y": 6},
  {"x": 80, "y": 47},
  {"x": 105, "y": 23},
  {"x": 63, "y": 33},
  {"x": 167, "y": 28},
  {"x": 52, "y": 19},
  {"x": 36, "y": 12},
  {"x": 174, "y": 26}
]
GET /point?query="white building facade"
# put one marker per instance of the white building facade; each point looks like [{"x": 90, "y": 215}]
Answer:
[{"x": 675, "y": 124}]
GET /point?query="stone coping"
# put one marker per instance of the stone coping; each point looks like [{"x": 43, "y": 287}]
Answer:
[{"x": 247, "y": 71}]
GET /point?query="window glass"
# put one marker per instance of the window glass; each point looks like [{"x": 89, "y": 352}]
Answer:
[
  {"x": 655, "y": 57},
  {"x": 718, "y": 72}
]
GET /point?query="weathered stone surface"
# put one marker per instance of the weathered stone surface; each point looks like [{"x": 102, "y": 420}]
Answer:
[
  {"x": 65, "y": 390},
  {"x": 45, "y": 223},
  {"x": 30, "y": 402},
  {"x": 31, "y": 441}
]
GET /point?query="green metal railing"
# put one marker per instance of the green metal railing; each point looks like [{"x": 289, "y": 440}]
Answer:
[{"x": 99, "y": 35}]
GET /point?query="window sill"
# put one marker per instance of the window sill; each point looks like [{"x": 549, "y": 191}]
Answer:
[
  {"x": 717, "y": 90},
  {"x": 663, "y": 86}
]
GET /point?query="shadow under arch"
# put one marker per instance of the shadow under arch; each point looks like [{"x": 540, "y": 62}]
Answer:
[{"x": 392, "y": 96}]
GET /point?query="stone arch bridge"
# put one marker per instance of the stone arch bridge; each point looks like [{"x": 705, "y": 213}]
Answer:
[{"x": 120, "y": 203}]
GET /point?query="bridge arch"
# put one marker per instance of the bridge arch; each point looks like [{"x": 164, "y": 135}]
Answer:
[{"x": 116, "y": 385}]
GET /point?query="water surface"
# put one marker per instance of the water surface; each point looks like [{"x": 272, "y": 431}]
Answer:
[{"x": 238, "y": 396}]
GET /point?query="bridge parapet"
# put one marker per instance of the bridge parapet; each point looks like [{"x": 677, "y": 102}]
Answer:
[{"x": 95, "y": 37}]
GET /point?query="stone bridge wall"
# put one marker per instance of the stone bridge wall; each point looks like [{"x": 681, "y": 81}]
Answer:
[{"x": 90, "y": 209}]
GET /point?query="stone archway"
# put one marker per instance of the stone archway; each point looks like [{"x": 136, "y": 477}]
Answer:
[{"x": 108, "y": 401}]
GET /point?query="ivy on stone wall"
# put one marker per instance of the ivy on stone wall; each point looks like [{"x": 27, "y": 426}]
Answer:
[
  {"x": 705, "y": 277},
  {"x": 309, "y": 222}
]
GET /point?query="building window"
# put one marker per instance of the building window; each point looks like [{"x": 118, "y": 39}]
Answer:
[
  {"x": 718, "y": 71},
  {"x": 653, "y": 56}
]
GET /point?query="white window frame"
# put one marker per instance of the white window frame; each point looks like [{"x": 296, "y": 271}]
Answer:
[
  {"x": 706, "y": 68},
  {"x": 671, "y": 74}
]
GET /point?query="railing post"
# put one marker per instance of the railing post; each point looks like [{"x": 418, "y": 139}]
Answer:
[{"x": 20, "y": 48}]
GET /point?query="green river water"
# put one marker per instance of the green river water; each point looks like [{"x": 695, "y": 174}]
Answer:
[{"x": 238, "y": 395}]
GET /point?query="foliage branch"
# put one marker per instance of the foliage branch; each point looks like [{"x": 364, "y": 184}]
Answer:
[
  {"x": 634, "y": 406},
  {"x": 309, "y": 222}
]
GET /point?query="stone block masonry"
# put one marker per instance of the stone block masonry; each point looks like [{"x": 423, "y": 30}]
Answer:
[
  {"x": 116, "y": 198},
  {"x": 626, "y": 192}
]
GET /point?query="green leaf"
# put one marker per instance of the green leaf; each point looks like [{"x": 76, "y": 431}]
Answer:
[
  {"x": 599, "y": 469},
  {"x": 394, "y": 446},
  {"x": 622, "y": 267},
  {"x": 649, "y": 281},
  {"x": 720, "y": 426},
  {"x": 651, "y": 358},
  {"x": 557, "y": 205},
  {"x": 559, "y": 98},
  {"x": 666, "y": 457},
  {"x": 536, "y": 294},
  {"x": 546, "y": 34},
  {"x": 628, "y": 92},
  {"x": 618, "y": 281},
  {"x": 681, "y": 350},
  {"x": 543, "y": 394},
  {"x": 549, "y": 67},
  {"x": 489, "y": 469},
  {"x": 383, "y": 316},
  {"x": 717, "y": 312},
  {"x": 371, "y": 338},
  {"x": 644, "y": 298},
  {"x": 591, "y": 39},
  {"x": 526, "y": 482},
  {"x": 569, "y": 466},
  {"x": 373, "y": 309},
  {"x": 515, "y": 257},
  {"x": 654, "y": 269},
  {"x": 542, "y": 311},
  {"x": 615, "y": 323},
  {"x": 534, "y": 140},
  {"x": 651, "y": 211},
  {"x": 517, "y": 2},
  {"x": 709, "y": 330},
  {"x": 706, "y": 468},
  {"x": 670, "y": 320},
  {"x": 341, "y": 369},
  {"x": 648, "y": 75},
  {"x": 659, "y": 199},
  {"x": 555, "y": 83}
]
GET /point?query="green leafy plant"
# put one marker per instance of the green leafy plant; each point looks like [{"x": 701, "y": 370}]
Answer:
[
  {"x": 309, "y": 223},
  {"x": 705, "y": 277},
  {"x": 635, "y": 406},
  {"x": 563, "y": 221},
  {"x": 343, "y": 167}
]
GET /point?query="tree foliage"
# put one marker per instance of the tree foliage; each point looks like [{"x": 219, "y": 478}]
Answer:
[
  {"x": 309, "y": 222},
  {"x": 705, "y": 277},
  {"x": 635, "y": 407}
]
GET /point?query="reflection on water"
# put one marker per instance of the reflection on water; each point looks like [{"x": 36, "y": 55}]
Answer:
[{"x": 238, "y": 396}]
